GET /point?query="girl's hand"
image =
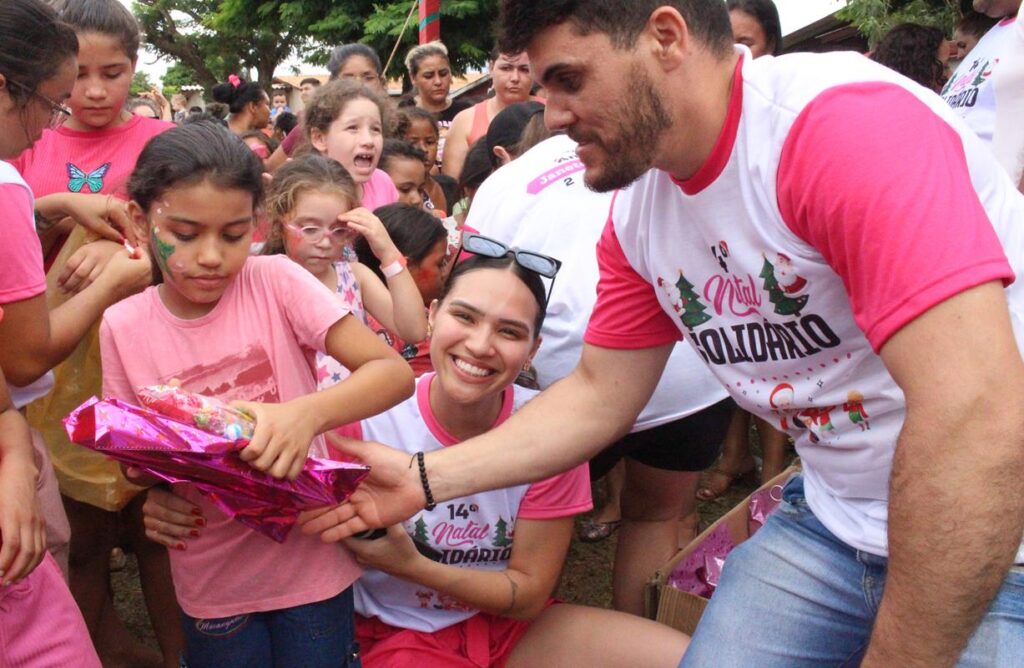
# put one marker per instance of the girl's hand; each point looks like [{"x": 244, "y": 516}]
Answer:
[
  {"x": 22, "y": 528},
  {"x": 281, "y": 441},
  {"x": 170, "y": 519},
  {"x": 86, "y": 264},
  {"x": 369, "y": 225},
  {"x": 393, "y": 553},
  {"x": 103, "y": 215},
  {"x": 126, "y": 274}
]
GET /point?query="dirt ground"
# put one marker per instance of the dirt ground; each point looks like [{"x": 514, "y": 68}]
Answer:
[{"x": 586, "y": 578}]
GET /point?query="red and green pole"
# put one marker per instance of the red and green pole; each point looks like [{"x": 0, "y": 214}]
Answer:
[{"x": 430, "y": 20}]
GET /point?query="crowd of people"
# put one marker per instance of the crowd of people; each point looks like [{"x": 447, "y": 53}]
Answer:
[{"x": 414, "y": 284}]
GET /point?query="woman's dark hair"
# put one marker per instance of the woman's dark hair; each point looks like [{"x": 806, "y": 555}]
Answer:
[
  {"x": 621, "y": 20},
  {"x": 342, "y": 53},
  {"x": 108, "y": 17},
  {"x": 404, "y": 120},
  {"x": 193, "y": 153},
  {"x": 767, "y": 15},
  {"x": 399, "y": 148},
  {"x": 236, "y": 93},
  {"x": 34, "y": 43},
  {"x": 912, "y": 50},
  {"x": 530, "y": 279},
  {"x": 477, "y": 166},
  {"x": 414, "y": 231}
]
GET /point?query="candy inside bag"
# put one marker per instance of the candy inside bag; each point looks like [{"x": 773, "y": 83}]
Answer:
[{"x": 207, "y": 413}]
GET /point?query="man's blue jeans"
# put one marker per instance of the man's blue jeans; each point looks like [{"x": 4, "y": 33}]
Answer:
[
  {"x": 316, "y": 635},
  {"x": 795, "y": 595}
]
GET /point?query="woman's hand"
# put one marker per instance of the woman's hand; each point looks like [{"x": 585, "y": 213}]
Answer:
[
  {"x": 104, "y": 215},
  {"x": 86, "y": 264},
  {"x": 365, "y": 223},
  {"x": 169, "y": 519},
  {"x": 22, "y": 528},
  {"x": 281, "y": 441},
  {"x": 393, "y": 553}
]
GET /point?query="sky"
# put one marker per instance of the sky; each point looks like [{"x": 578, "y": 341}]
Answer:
[{"x": 794, "y": 14}]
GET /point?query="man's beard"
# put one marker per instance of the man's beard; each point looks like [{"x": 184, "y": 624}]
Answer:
[{"x": 630, "y": 152}]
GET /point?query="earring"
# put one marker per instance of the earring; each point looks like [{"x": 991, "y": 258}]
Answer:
[
  {"x": 527, "y": 366},
  {"x": 430, "y": 329}
]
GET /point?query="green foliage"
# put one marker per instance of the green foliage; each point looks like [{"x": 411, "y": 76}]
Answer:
[
  {"x": 140, "y": 83},
  {"x": 176, "y": 76},
  {"x": 874, "y": 18},
  {"x": 214, "y": 38}
]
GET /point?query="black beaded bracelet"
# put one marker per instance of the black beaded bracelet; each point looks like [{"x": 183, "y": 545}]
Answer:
[{"x": 423, "y": 479}]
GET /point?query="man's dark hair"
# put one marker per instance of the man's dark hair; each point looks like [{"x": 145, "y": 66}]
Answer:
[{"x": 621, "y": 20}]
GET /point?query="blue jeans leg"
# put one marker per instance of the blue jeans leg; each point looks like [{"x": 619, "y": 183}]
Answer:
[
  {"x": 795, "y": 595},
  {"x": 790, "y": 596},
  {"x": 317, "y": 635},
  {"x": 240, "y": 641}
]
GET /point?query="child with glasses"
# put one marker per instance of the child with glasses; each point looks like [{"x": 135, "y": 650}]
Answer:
[
  {"x": 313, "y": 208},
  {"x": 469, "y": 582}
]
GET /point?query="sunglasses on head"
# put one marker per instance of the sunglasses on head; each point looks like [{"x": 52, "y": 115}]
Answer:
[{"x": 542, "y": 265}]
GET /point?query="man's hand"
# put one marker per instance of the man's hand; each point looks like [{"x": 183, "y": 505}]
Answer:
[{"x": 392, "y": 493}]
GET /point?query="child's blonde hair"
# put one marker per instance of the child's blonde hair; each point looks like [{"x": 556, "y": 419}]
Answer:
[
  {"x": 330, "y": 100},
  {"x": 311, "y": 172}
]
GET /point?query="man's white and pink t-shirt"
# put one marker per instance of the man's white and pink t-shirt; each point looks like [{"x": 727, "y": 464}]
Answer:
[{"x": 801, "y": 246}]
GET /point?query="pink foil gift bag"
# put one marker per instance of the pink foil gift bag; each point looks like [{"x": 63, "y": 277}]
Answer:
[
  {"x": 698, "y": 573},
  {"x": 178, "y": 451}
]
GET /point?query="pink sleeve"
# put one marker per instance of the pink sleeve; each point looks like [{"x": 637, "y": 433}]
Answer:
[
  {"x": 115, "y": 378},
  {"x": 562, "y": 495},
  {"x": 311, "y": 308},
  {"x": 879, "y": 185},
  {"x": 627, "y": 314},
  {"x": 292, "y": 140},
  {"x": 21, "y": 256}
]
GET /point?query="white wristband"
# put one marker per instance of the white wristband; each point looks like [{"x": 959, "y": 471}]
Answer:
[{"x": 395, "y": 268}]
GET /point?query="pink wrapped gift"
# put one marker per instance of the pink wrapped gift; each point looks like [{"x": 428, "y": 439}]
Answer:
[
  {"x": 763, "y": 503},
  {"x": 177, "y": 451},
  {"x": 698, "y": 572}
]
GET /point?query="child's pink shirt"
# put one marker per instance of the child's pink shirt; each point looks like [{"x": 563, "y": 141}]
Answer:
[
  {"x": 95, "y": 161},
  {"x": 379, "y": 190},
  {"x": 257, "y": 344}
]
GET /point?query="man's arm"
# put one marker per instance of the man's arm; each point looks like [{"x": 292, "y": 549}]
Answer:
[
  {"x": 956, "y": 507},
  {"x": 566, "y": 424}
]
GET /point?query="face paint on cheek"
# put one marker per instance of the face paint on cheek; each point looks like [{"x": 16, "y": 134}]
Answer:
[{"x": 162, "y": 250}]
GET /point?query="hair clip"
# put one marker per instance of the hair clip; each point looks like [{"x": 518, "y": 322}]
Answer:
[{"x": 234, "y": 80}]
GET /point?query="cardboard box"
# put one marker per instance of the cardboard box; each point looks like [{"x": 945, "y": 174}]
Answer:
[{"x": 682, "y": 610}]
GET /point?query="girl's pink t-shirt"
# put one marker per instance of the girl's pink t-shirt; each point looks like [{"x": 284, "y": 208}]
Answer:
[
  {"x": 379, "y": 190},
  {"x": 257, "y": 344},
  {"x": 65, "y": 160}
]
